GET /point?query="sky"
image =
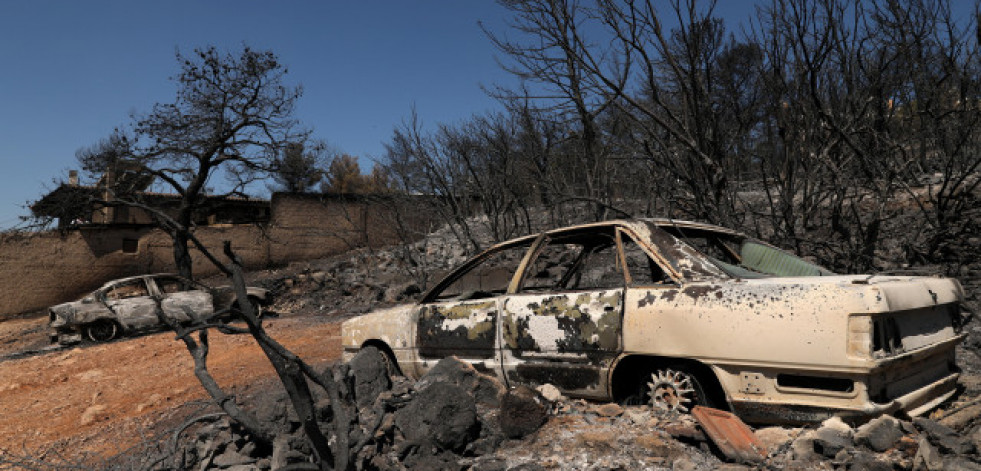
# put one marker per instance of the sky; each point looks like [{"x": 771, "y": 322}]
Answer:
[{"x": 71, "y": 71}]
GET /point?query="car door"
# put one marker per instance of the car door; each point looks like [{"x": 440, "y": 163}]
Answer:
[
  {"x": 180, "y": 299},
  {"x": 563, "y": 324},
  {"x": 461, "y": 315},
  {"x": 131, "y": 302}
]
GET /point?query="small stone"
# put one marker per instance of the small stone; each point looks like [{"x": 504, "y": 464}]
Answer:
[
  {"x": 550, "y": 392},
  {"x": 93, "y": 413},
  {"x": 774, "y": 438},
  {"x": 865, "y": 461},
  {"x": 880, "y": 434},
  {"x": 803, "y": 447},
  {"x": 927, "y": 457},
  {"x": 231, "y": 458},
  {"x": 639, "y": 416},
  {"x": 610, "y": 409},
  {"x": 684, "y": 464},
  {"x": 833, "y": 436}
]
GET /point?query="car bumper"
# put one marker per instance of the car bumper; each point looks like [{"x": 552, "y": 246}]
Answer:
[{"x": 64, "y": 336}]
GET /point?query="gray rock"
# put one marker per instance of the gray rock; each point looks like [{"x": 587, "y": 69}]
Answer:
[
  {"x": 927, "y": 457},
  {"x": 829, "y": 441},
  {"x": 683, "y": 464},
  {"x": 880, "y": 434},
  {"x": 550, "y": 392},
  {"x": 231, "y": 458},
  {"x": 944, "y": 437},
  {"x": 523, "y": 411},
  {"x": 443, "y": 414},
  {"x": 865, "y": 461},
  {"x": 371, "y": 377},
  {"x": 281, "y": 447},
  {"x": 802, "y": 448}
]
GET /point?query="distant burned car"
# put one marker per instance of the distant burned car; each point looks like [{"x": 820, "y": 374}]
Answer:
[
  {"x": 676, "y": 314},
  {"x": 129, "y": 305}
]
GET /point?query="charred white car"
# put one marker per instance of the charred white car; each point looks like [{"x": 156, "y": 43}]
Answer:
[
  {"x": 676, "y": 314},
  {"x": 129, "y": 305}
]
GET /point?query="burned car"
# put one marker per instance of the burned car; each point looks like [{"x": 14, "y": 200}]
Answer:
[
  {"x": 129, "y": 305},
  {"x": 676, "y": 314}
]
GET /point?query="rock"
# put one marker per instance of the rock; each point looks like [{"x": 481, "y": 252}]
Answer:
[
  {"x": 485, "y": 389},
  {"x": 802, "y": 448},
  {"x": 829, "y": 442},
  {"x": 683, "y": 463},
  {"x": 281, "y": 447},
  {"x": 879, "y": 434},
  {"x": 774, "y": 438},
  {"x": 523, "y": 411},
  {"x": 371, "y": 377},
  {"x": 231, "y": 458},
  {"x": 927, "y": 457},
  {"x": 550, "y": 393},
  {"x": 944, "y": 437},
  {"x": 837, "y": 424},
  {"x": 832, "y": 437},
  {"x": 443, "y": 414},
  {"x": 92, "y": 414},
  {"x": 865, "y": 461},
  {"x": 638, "y": 415},
  {"x": 610, "y": 409}
]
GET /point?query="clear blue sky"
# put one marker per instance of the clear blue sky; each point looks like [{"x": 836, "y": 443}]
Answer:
[{"x": 71, "y": 71}]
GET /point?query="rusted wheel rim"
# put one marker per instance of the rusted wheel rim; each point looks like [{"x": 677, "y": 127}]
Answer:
[
  {"x": 103, "y": 331},
  {"x": 671, "y": 391}
]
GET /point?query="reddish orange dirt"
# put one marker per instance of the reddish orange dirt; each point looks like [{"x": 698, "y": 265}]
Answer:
[{"x": 103, "y": 399}]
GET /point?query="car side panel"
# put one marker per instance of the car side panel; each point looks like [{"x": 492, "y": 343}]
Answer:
[
  {"x": 569, "y": 339},
  {"x": 135, "y": 313},
  {"x": 178, "y": 305}
]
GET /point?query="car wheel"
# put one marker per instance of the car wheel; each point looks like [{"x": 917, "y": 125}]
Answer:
[
  {"x": 256, "y": 307},
  {"x": 675, "y": 390},
  {"x": 101, "y": 331}
]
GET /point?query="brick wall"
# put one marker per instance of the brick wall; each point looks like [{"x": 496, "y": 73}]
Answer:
[{"x": 38, "y": 270}]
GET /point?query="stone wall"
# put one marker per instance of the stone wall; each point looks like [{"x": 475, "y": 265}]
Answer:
[{"x": 41, "y": 269}]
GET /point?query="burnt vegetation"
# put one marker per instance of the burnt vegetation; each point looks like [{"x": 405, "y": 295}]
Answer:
[{"x": 847, "y": 132}]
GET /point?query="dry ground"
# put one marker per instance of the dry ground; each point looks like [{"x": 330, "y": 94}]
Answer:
[{"x": 103, "y": 399}]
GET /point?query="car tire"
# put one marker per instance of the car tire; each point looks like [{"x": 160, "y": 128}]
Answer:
[{"x": 101, "y": 331}]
